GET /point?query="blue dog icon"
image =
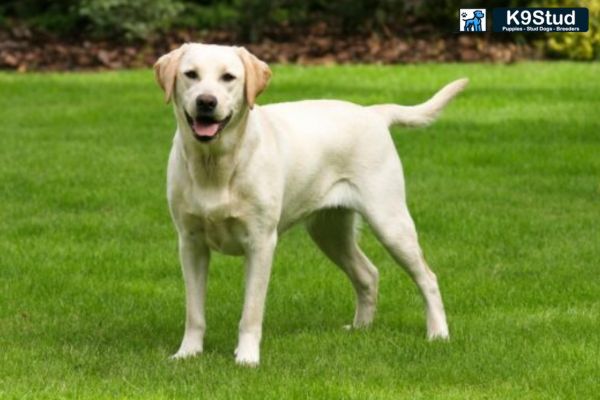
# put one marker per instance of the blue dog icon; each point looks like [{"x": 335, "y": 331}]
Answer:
[{"x": 474, "y": 24}]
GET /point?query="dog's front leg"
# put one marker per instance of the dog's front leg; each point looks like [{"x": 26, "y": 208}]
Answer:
[
  {"x": 194, "y": 257},
  {"x": 259, "y": 258}
]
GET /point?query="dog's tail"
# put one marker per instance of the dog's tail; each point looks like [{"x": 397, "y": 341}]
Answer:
[{"x": 420, "y": 114}]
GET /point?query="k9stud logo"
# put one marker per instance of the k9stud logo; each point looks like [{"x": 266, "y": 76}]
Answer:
[
  {"x": 472, "y": 20},
  {"x": 540, "y": 19}
]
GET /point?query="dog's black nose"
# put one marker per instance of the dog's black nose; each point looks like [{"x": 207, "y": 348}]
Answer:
[{"x": 206, "y": 102}]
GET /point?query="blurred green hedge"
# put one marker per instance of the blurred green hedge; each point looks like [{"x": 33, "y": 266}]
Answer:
[
  {"x": 252, "y": 20},
  {"x": 575, "y": 46},
  {"x": 249, "y": 19}
]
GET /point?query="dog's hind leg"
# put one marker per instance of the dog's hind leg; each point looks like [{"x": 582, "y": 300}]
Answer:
[
  {"x": 388, "y": 216},
  {"x": 333, "y": 230}
]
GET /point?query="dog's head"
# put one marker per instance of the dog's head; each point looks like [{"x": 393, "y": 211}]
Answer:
[
  {"x": 211, "y": 85},
  {"x": 478, "y": 14}
]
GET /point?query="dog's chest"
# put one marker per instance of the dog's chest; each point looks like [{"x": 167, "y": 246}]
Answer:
[{"x": 217, "y": 215}]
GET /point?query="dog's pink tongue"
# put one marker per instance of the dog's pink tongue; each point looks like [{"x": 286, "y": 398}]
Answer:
[{"x": 205, "y": 129}]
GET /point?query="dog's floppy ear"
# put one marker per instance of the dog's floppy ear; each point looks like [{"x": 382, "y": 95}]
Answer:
[
  {"x": 165, "y": 71},
  {"x": 258, "y": 74}
]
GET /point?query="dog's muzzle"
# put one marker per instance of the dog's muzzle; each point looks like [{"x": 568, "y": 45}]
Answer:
[{"x": 204, "y": 127}]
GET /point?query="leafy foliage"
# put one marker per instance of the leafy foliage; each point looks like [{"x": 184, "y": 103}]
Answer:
[
  {"x": 574, "y": 45},
  {"x": 55, "y": 16},
  {"x": 131, "y": 19},
  {"x": 255, "y": 20}
]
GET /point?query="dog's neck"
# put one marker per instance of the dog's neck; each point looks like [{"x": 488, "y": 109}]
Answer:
[{"x": 214, "y": 163}]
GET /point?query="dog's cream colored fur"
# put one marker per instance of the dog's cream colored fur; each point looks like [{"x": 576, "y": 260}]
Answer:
[{"x": 321, "y": 162}]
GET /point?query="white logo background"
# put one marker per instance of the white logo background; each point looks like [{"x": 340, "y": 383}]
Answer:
[{"x": 469, "y": 12}]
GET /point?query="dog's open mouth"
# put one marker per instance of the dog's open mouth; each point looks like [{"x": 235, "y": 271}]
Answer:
[{"x": 206, "y": 128}]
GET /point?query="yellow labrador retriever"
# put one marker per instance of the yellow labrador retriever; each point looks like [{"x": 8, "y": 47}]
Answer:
[{"x": 240, "y": 175}]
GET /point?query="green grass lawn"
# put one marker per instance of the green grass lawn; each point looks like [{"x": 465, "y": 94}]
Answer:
[{"x": 504, "y": 188}]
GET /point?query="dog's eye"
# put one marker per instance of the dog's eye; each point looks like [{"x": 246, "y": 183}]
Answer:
[
  {"x": 191, "y": 74},
  {"x": 227, "y": 77}
]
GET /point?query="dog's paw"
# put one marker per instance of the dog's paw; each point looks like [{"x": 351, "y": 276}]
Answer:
[
  {"x": 438, "y": 334},
  {"x": 247, "y": 353},
  {"x": 190, "y": 346},
  {"x": 186, "y": 352},
  {"x": 355, "y": 327},
  {"x": 246, "y": 358},
  {"x": 250, "y": 361}
]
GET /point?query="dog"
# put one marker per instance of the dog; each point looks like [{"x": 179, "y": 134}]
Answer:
[
  {"x": 239, "y": 175},
  {"x": 474, "y": 24}
]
